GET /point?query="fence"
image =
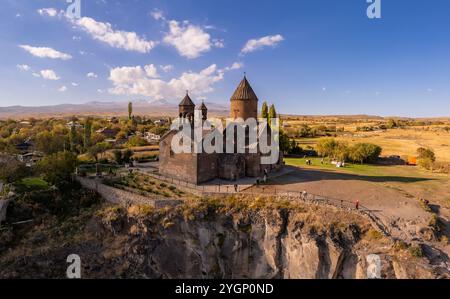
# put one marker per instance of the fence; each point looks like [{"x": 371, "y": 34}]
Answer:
[
  {"x": 264, "y": 190},
  {"x": 304, "y": 197}
]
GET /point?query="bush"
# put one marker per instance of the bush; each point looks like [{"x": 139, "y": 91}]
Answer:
[{"x": 416, "y": 251}]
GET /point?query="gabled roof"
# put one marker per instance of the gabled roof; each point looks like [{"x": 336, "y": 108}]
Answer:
[
  {"x": 187, "y": 101},
  {"x": 244, "y": 91}
]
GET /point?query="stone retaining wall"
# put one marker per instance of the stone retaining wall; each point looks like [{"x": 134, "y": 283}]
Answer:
[{"x": 122, "y": 197}]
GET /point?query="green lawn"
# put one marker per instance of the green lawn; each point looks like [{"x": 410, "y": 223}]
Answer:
[
  {"x": 363, "y": 169},
  {"x": 31, "y": 184}
]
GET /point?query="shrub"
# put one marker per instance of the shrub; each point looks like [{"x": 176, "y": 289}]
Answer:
[{"x": 416, "y": 251}]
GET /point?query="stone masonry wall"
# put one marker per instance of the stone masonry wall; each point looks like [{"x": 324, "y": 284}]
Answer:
[{"x": 122, "y": 197}]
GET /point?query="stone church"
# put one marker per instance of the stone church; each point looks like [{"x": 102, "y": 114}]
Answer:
[{"x": 201, "y": 167}]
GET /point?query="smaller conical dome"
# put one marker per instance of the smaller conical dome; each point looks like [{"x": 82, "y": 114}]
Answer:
[{"x": 187, "y": 101}]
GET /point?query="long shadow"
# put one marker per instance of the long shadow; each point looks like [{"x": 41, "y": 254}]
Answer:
[{"x": 310, "y": 175}]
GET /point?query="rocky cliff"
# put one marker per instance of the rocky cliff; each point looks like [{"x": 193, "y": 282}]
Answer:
[{"x": 224, "y": 239}]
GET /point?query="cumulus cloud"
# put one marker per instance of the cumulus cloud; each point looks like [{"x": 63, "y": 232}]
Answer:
[
  {"x": 235, "y": 66},
  {"x": 74, "y": 84},
  {"x": 190, "y": 41},
  {"x": 157, "y": 14},
  {"x": 62, "y": 89},
  {"x": 49, "y": 12},
  {"x": 136, "y": 81},
  {"x": 166, "y": 68},
  {"x": 44, "y": 52},
  {"x": 92, "y": 75},
  {"x": 219, "y": 43},
  {"x": 49, "y": 75},
  {"x": 23, "y": 67},
  {"x": 266, "y": 41},
  {"x": 104, "y": 32}
]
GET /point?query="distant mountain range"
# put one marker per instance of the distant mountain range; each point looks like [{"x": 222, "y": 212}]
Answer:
[{"x": 140, "y": 107}]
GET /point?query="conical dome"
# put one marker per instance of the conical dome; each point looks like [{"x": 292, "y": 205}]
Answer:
[
  {"x": 244, "y": 91},
  {"x": 187, "y": 101}
]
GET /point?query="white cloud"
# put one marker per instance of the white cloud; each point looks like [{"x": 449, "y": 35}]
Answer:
[
  {"x": 50, "y": 12},
  {"x": 219, "y": 43},
  {"x": 74, "y": 84},
  {"x": 18, "y": 15},
  {"x": 115, "y": 38},
  {"x": 136, "y": 81},
  {"x": 62, "y": 89},
  {"x": 235, "y": 66},
  {"x": 190, "y": 41},
  {"x": 37, "y": 75},
  {"x": 49, "y": 75},
  {"x": 44, "y": 52},
  {"x": 91, "y": 75},
  {"x": 157, "y": 14},
  {"x": 166, "y": 68},
  {"x": 151, "y": 71},
  {"x": 267, "y": 41},
  {"x": 76, "y": 38},
  {"x": 23, "y": 67},
  {"x": 100, "y": 91}
]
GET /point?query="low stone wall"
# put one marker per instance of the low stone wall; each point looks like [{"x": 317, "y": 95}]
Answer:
[
  {"x": 3, "y": 208},
  {"x": 122, "y": 197}
]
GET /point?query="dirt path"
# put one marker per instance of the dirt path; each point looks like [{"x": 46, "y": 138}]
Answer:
[{"x": 400, "y": 211}]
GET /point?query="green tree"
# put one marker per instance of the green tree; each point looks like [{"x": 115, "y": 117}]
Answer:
[
  {"x": 73, "y": 138},
  {"x": 11, "y": 170},
  {"x": 137, "y": 141},
  {"x": 265, "y": 111},
  {"x": 426, "y": 153},
  {"x": 272, "y": 112},
  {"x": 426, "y": 158},
  {"x": 50, "y": 142},
  {"x": 130, "y": 110},
  {"x": 118, "y": 157},
  {"x": 126, "y": 156},
  {"x": 98, "y": 149},
  {"x": 87, "y": 133},
  {"x": 364, "y": 152},
  {"x": 326, "y": 147},
  {"x": 57, "y": 169}
]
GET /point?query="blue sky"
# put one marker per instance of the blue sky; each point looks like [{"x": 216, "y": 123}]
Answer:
[{"x": 306, "y": 56}]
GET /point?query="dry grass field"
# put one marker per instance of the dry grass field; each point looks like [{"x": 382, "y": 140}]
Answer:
[{"x": 402, "y": 141}]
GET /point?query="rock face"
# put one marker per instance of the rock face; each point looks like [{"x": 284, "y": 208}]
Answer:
[
  {"x": 3, "y": 208},
  {"x": 272, "y": 243},
  {"x": 276, "y": 244}
]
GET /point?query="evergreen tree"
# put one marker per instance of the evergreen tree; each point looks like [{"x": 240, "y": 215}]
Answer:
[
  {"x": 87, "y": 133},
  {"x": 264, "y": 111},
  {"x": 130, "y": 110},
  {"x": 272, "y": 112},
  {"x": 73, "y": 138}
]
